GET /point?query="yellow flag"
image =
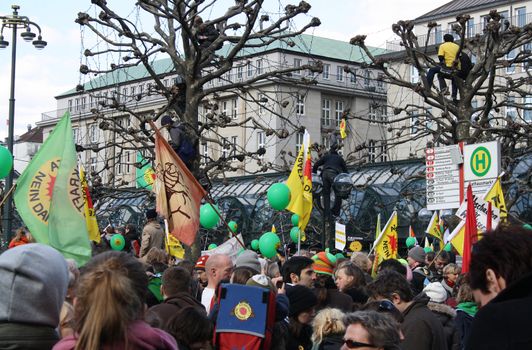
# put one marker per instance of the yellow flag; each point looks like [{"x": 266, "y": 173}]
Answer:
[
  {"x": 172, "y": 244},
  {"x": 343, "y": 133},
  {"x": 300, "y": 184},
  {"x": 88, "y": 209},
  {"x": 457, "y": 237},
  {"x": 496, "y": 197},
  {"x": 386, "y": 243}
]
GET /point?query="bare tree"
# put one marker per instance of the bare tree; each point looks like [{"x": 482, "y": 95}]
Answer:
[
  {"x": 196, "y": 56},
  {"x": 444, "y": 121}
]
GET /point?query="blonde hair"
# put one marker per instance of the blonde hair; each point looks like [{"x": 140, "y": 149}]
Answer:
[
  {"x": 450, "y": 268},
  {"x": 110, "y": 296},
  {"x": 361, "y": 260},
  {"x": 328, "y": 321}
]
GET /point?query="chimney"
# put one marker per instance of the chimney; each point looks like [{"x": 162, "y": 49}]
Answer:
[{"x": 29, "y": 127}]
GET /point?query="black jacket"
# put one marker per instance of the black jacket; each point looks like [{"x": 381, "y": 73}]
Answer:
[
  {"x": 422, "y": 330},
  {"x": 165, "y": 311},
  {"x": 332, "y": 342},
  {"x": 332, "y": 161},
  {"x": 446, "y": 315},
  {"x": 504, "y": 323}
]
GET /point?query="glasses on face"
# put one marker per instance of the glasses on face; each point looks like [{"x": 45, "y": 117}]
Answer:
[{"x": 351, "y": 344}]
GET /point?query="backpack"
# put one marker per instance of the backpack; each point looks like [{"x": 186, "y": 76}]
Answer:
[
  {"x": 186, "y": 149},
  {"x": 246, "y": 318},
  {"x": 465, "y": 64}
]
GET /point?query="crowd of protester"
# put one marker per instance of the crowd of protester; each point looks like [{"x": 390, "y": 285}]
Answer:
[{"x": 138, "y": 298}]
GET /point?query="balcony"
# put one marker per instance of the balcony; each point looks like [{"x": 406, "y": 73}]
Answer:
[{"x": 436, "y": 36}]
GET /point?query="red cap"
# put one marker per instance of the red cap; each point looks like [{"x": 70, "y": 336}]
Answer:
[{"x": 200, "y": 264}]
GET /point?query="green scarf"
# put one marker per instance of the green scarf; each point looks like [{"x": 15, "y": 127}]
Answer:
[{"x": 469, "y": 307}]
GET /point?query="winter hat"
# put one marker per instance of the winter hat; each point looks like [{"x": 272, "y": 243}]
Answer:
[
  {"x": 248, "y": 258},
  {"x": 436, "y": 292},
  {"x": 417, "y": 254},
  {"x": 262, "y": 281},
  {"x": 324, "y": 263},
  {"x": 33, "y": 285},
  {"x": 301, "y": 298},
  {"x": 200, "y": 264},
  {"x": 166, "y": 119},
  {"x": 151, "y": 214}
]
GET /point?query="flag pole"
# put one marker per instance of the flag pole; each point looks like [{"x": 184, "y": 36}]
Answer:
[{"x": 7, "y": 195}]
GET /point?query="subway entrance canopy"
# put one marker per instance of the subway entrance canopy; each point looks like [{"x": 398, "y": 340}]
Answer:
[{"x": 377, "y": 188}]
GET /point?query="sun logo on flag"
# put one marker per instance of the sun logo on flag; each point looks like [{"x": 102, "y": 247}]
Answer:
[
  {"x": 243, "y": 311},
  {"x": 393, "y": 243},
  {"x": 42, "y": 186}
]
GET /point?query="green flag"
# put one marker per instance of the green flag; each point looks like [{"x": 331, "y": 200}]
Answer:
[
  {"x": 145, "y": 175},
  {"x": 49, "y": 196}
]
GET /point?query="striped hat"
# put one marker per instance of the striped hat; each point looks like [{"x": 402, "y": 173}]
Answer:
[
  {"x": 200, "y": 264},
  {"x": 324, "y": 263}
]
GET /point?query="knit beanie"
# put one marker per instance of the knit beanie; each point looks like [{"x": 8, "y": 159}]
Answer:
[
  {"x": 248, "y": 258},
  {"x": 200, "y": 264},
  {"x": 151, "y": 214},
  {"x": 324, "y": 263},
  {"x": 417, "y": 254},
  {"x": 436, "y": 292},
  {"x": 262, "y": 281},
  {"x": 301, "y": 298},
  {"x": 33, "y": 285}
]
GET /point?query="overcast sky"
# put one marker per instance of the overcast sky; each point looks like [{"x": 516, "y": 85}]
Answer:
[{"x": 41, "y": 75}]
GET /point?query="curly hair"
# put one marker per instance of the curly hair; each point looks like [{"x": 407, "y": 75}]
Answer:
[{"x": 327, "y": 322}]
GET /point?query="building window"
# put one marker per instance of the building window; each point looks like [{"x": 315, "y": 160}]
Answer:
[
  {"x": 353, "y": 76},
  {"x": 297, "y": 64},
  {"x": 299, "y": 141},
  {"x": 205, "y": 153},
  {"x": 325, "y": 141},
  {"x": 261, "y": 142},
  {"x": 414, "y": 122},
  {"x": 262, "y": 102},
  {"x": 384, "y": 151},
  {"x": 300, "y": 104},
  {"x": 77, "y": 104},
  {"x": 225, "y": 107},
  {"x": 259, "y": 66},
  {"x": 470, "y": 28},
  {"x": 371, "y": 152},
  {"x": 93, "y": 133},
  {"x": 527, "y": 112},
  {"x": 367, "y": 77},
  {"x": 132, "y": 91},
  {"x": 325, "y": 112},
  {"x": 234, "y": 108},
  {"x": 226, "y": 148},
  {"x": 249, "y": 69},
  {"x": 511, "y": 111},
  {"x": 240, "y": 72},
  {"x": 520, "y": 14},
  {"x": 70, "y": 105},
  {"x": 83, "y": 103},
  {"x": 75, "y": 135},
  {"x": 93, "y": 164},
  {"x": 438, "y": 34},
  {"x": 339, "y": 73},
  {"x": 326, "y": 70},
  {"x": 414, "y": 75},
  {"x": 510, "y": 57},
  {"x": 338, "y": 112}
]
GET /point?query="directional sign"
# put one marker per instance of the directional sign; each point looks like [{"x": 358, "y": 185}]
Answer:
[
  {"x": 443, "y": 178},
  {"x": 482, "y": 165}
]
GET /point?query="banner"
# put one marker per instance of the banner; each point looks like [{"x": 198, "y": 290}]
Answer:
[
  {"x": 386, "y": 244},
  {"x": 145, "y": 175},
  {"x": 178, "y": 193},
  {"x": 49, "y": 197},
  {"x": 481, "y": 213},
  {"x": 340, "y": 238},
  {"x": 230, "y": 247},
  {"x": 88, "y": 209},
  {"x": 496, "y": 197}
]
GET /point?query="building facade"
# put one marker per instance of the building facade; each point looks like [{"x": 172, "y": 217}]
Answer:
[{"x": 269, "y": 114}]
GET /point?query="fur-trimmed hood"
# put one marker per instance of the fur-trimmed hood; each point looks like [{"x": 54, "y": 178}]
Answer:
[{"x": 442, "y": 309}]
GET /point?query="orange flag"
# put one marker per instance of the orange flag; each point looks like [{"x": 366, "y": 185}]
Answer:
[{"x": 178, "y": 193}]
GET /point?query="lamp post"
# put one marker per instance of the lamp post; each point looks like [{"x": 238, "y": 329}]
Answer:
[{"x": 15, "y": 22}]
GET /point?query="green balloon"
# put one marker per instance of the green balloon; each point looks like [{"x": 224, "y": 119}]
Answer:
[
  {"x": 268, "y": 244},
  {"x": 278, "y": 196},
  {"x": 410, "y": 242},
  {"x": 427, "y": 249},
  {"x": 117, "y": 242},
  {"x": 208, "y": 216},
  {"x": 295, "y": 219},
  {"x": 212, "y": 246},
  {"x": 294, "y": 234},
  {"x": 255, "y": 244},
  {"x": 447, "y": 247},
  {"x": 6, "y": 162},
  {"x": 527, "y": 226},
  {"x": 233, "y": 226}
]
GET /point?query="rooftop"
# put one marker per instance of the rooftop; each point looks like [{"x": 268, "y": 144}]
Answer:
[
  {"x": 305, "y": 44},
  {"x": 457, "y": 7}
]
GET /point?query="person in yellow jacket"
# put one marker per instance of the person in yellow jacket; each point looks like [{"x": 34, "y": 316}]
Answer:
[{"x": 447, "y": 55}]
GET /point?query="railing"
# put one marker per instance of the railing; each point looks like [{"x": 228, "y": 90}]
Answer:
[{"x": 436, "y": 36}]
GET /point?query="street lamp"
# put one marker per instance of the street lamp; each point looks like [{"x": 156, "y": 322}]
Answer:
[{"x": 15, "y": 22}]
